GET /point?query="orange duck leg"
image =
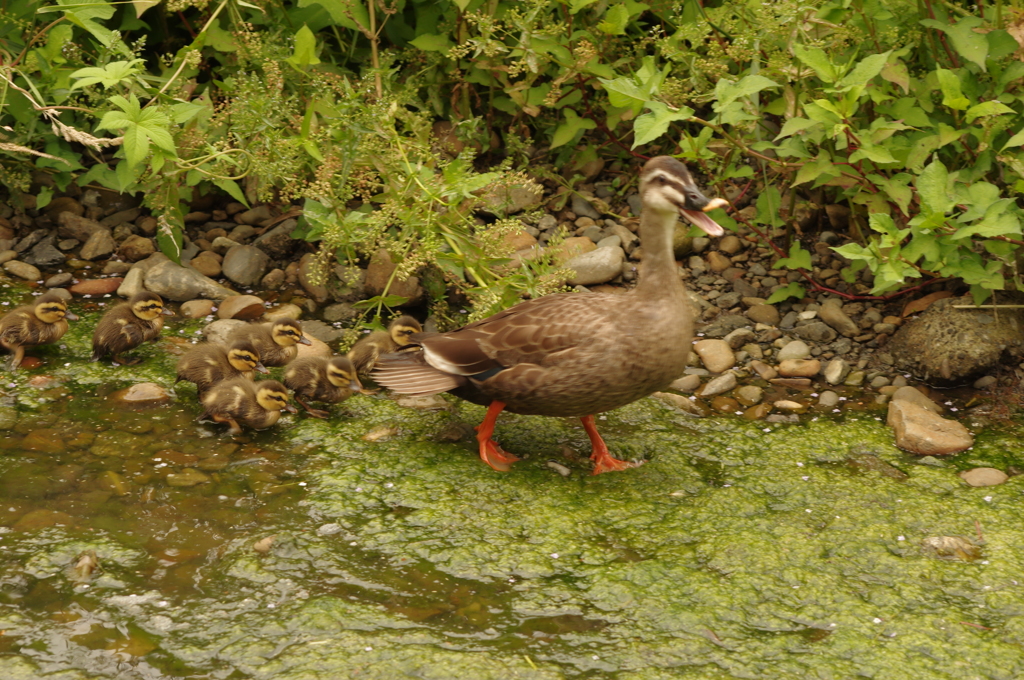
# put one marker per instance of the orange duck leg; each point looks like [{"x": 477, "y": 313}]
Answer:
[
  {"x": 490, "y": 452},
  {"x": 603, "y": 461}
]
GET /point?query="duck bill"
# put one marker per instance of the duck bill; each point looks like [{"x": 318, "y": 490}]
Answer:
[
  {"x": 355, "y": 386},
  {"x": 290, "y": 408},
  {"x": 70, "y": 316},
  {"x": 166, "y": 312},
  {"x": 260, "y": 368},
  {"x": 701, "y": 219},
  {"x": 305, "y": 341}
]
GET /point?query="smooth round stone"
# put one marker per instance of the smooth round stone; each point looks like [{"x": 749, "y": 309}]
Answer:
[
  {"x": 797, "y": 349},
  {"x": 796, "y": 383},
  {"x": 758, "y": 412},
  {"x": 730, "y": 244},
  {"x": 716, "y": 355},
  {"x": 218, "y": 331},
  {"x": 983, "y": 382},
  {"x": 318, "y": 348},
  {"x": 722, "y": 383},
  {"x": 828, "y": 399},
  {"x": 285, "y": 311},
  {"x": 748, "y": 395},
  {"x": 789, "y": 405},
  {"x": 688, "y": 383},
  {"x": 799, "y": 368},
  {"x": 8, "y": 255},
  {"x": 206, "y": 263},
  {"x": 142, "y": 394},
  {"x": 245, "y": 307},
  {"x": 96, "y": 286},
  {"x": 59, "y": 280},
  {"x": 135, "y": 248},
  {"x": 22, "y": 270},
  {"x": 725, "y": 404},
  {"x": 187, "y": 477},
  {"x": 763, "y": 370},
  {"x": 682, "y": 403},
  {"x": 836, "y": 371},
  {"x": 984, "y": 476},
  {"x": 855, "y": 379},
  {"x": 196, "y": 309}
]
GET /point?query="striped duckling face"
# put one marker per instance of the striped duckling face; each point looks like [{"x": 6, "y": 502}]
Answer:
[
  {"x": 341, "y": 373},
  {"x": 288, "y": 332},
  {"x": 272, "y": 396},
  {"x": 402, "y": 329},
  {"x": 148, "y": 306},
  {"x": 51, "y": 308},
  {"x": 666, "y": 186},
  {"x": 244, "y": 358}
]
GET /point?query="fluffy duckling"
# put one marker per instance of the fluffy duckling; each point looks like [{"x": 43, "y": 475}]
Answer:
[
  {"x": 208, "y": 364},
  {"x": 127, "y": 326},
  {"x": 365, "y": 352},
  {"x": 257, "y": 405},
  {"x": 321, "y": 379},
  {"x": 44, "y": 321},
  {"x": 275, "y": 341}
]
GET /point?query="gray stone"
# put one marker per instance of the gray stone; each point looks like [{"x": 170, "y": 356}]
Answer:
[
  {"x": 789, "y": 321},
  {"x": 341, "y": 311},
  {"x": 816, "y": 332},
  {"x": 100, "y": 245},
  {"x": 636, "y": 204},
  {"x": 32, "y": 239},
  {"x": 832, "y": 314},
  {"x": 583, "y": 208},
  {"x": 722, "y": 383},
  {"x": 740, "y": 337},
  {"x": 255, "y": 215},
  {"x": 321, "y": 331},
  {"x": 59, "y": 280},
  {"x": 218, "y": 331},
  {"x": 766, "y": 314},
  {"x": 45, "y": 255},
  {"x": 278, "y": 242},
  {"x": 725, "y": 324},
  {"x": 794, "y": 350},
  {"x": 134, "y": 282},
  {"x": 727, "y": 300},
  {"x": 984, "y": 476},
  {"x": 828, "y": 399},
  {"x": 223, "y": 244},
  {"x": 23, "y": 270},
  {"x": 245, "y": 265},
  {"x": 688, "y": 383},
  {"x": 836, "y": 371},
  {"x": 612, "y": 241},
  {"x": 175, "y": 282},
  {"x": 597, "y": 266},
  {"x": 121, "y": 217},
  {"x": 921, "y": 431},
  {"x": 68, "y": 244},
  {"x": 77, "y": 227},
  {"x": 241, "y": 233}
]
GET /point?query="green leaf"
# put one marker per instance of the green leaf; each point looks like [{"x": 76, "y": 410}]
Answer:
[
  {"x": 305, "y": 49},
  {"x": 897, "y": 191},
  {"x": 615, "y": 20},
  {"x": 140, "y": 126},
  {"x": 896, "y": 73},
  {"x": 44, "y": 197},
  {"x": 110, "y": 75},
  {"x": 650, "y": 126},
  {"x": 85, "y": 15},
  {"x": 999, "y": 224},
  {"x": 798, "y": 258},
  {"x": 576, "y": 5},
  {"x": 1016, "y": 140},
  {"x": 990, "y": 108},
  {"x": 932, "y": 186},
  {"x": 922, "y": 245},
  {"x": 970, "y": 45},
  {"x": 865, "y": 70},
  {"x": 793, "y": 290},
  {"x": 795, "y": 125},
  {"x": 430, "y": 42},
  {"x": 726, "y": 91},
  {"x": 231, "y": 187},
  {"x": 348, "y": 13},
  {"x": 182, "y": 112},
  {"x": 876, "y": 154},
  {"x": 855, "y": 251},
  {"x": 818, "y": 169},
  {"x": 573, "y": 124},
  {"x": 817, "y": 60},
  {"x": 951, "y": 93},
  {"x": 768, "y": 203}
]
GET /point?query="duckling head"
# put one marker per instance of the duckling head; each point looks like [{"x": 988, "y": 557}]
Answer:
[
  {"x": 148, "y": 306},
  {"x": 342, "y": 373},
  {"x": 243, "y": 357},
  {"x": 51, "y": 308},
  {"x": 272, "y": 396},
  {"x": 402, "y": 328},
  {"x": 666, "y": 186},
  {"x": 287, "y": 332}
]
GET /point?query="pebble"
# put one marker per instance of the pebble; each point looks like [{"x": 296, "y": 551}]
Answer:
[
  {"x": 722, "y": 383},
  {"x": 174, "y": 282},
  {"x": 985, "y": 382},
  {"x": 99, "y": 246},
  {"x": 799, "y": 368},
  {"x": 717, "y": 262},
  {"x": 688, "y": 383},
  {"x": 196, "y": 309},
  {"x": 187, "y": 477},
  {"x": 59, "y": 280},
  {"x": 680, "y": 402},
  {"x": 832, "y": 314},
  {"x": 218, "y": 331},
  {"x": 135, "y": 248},
  {"x": 245, "y": 307},
  {"x": 206, "y": 263},
  {"x": 140, "y": 394},
  {"x": 815, "y": 332},
  {"x": 740, "y": 337},
  {"x": 748, "y": 395},
  {"x": 96, "y": 286},
  {"x": 22, "y": 270},
  {"x": 763, "y": 370},
  {"x": 716, "y": 355},
  {"x": 597, "y": 266},
  {"x": 828, "y": 399},
  {"x": 922, "y": 431},
  {"x": 984, "y": 476},
  {"x": 757, "y": 412},
  {"x": 836, "y": 371},
  {"x": 855, "y": 379},
  {"x": 762, "y": 313},
  {"x": 789, "y": 405},
  {"x": 316, "y": 348},
  {"x": 245, "y": 265},
  {"x": 796, "y": 349},
  {"x": 283, "y": 311},
  {"x": 724, "y": 404}
]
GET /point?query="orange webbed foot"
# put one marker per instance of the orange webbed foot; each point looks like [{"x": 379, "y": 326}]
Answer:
[
  {"x": 490, "y": 452},
  {"x": 603, "y": 460}
]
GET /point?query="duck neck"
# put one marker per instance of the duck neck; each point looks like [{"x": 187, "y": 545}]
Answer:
[{"x": 659, "y": 276}]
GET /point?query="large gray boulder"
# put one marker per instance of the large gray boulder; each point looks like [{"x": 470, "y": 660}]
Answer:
[{"x": 175, "y": 282}]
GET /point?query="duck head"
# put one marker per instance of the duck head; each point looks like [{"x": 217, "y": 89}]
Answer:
[
  {"x": 51, "y": 308},
  {"x": 287, "y": 332},
  {"x": 272, "y": 396},
  {"x": 666, "y": 186},
  {"x": 148, "y": 306},
  {"x": 244, "y": 358},
  {"x": 402, "y": 329},
  {"x": 342, "y": 373}
]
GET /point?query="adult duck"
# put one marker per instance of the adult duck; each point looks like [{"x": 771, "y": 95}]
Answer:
[{"x": 573, "y": 355}]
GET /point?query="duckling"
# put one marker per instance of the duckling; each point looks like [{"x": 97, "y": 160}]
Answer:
[
  {"x": 322, "y": 379},
  {"x": 208, "y": 364},
  {"x": 127, "y": 326},
  {"x": 365, "y": 352},
  {"x": 44, "y": 321},
  {"x": 275, "y": 341},
  {"x": 238, "y": 400}
]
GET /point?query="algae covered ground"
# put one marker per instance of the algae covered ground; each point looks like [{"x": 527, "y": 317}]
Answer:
[{"x": 739, "y": 550}]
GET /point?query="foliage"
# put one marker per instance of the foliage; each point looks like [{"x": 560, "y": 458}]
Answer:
[{"x": 910, "y": 112}]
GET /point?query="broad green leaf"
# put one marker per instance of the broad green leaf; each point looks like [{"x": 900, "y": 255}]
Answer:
[
  {"x": 817, "y": 171},
  {"x": 615, "y": 20},
  {"x": 990, "y": 108},
  {"x": 896, "y": 73},
  {"x": 795, "y": 125},
  {"x": 142, "y": 5},
  {"x": 232, "y": 189},
  {"x": 922, "y": 245},
  {"x": 140, "y": 126},
  {"x": 768, "y": 203},
  {"x": 305, "y": 49},
  {"x": 970, "y": 45},
  {"x": 650, "y": 126},
  {"x": 429, "y": 42},
  {"x": 1016, "y": 140},
  {"x": 726, "y": 91},
  {"x": 855, "y": 251},
  {"x": 932, "y": 187},
  {"x": 798, "y": 258},
  {"x": 817, "y": 60},
  {"x": 348, "y": 13},
  {"x": 897, "y": 191},
  {"x": 999, "y": 224},
  {"x": 865, "y": 70},
  {"x": 86, "y": 15},
  {"x": 463, "y": 4},
  {"x": 793, "y": 290},
  {"x": 576, "y": 5},
  {"x": 182, "y": 112},
  {"x": 876, "y": 154},
  {"x": 112, "y": 74},
  {"x": 44, "y": 197},
  {"x": 623, "y": 92},
  {"x": 566, "y": 131},
  {"x": 951, "y": 93}
]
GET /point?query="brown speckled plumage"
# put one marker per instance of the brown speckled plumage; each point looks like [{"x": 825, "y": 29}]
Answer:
[
  {"x": 40, "y": 323},
  {"x": 275, "y": 341},
  {"x": 128, "y": 325},
  {"x": 208, "y": 364},
  {"x": 364, "y": 354},
  {"x": 242, "y": 402}
]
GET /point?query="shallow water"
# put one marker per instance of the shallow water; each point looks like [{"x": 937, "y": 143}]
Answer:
[{"x": 739, "y": 550}]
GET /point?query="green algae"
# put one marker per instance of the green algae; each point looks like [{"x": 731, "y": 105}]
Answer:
[{"x": 738, "y": 550}]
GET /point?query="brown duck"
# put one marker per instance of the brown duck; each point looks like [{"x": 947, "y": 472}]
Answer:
[
  {"x": 242, "y": 402},
  {"x": 364, "y": 354},
  {"x": 207, "y": 364},
  {"x": 322, "y": 379},
  {"x": 40, "y": 323},
  {"x": 573, "y": 355},
  {"x": 275, "y": 341},
  {"x": 127, "y": 326}
]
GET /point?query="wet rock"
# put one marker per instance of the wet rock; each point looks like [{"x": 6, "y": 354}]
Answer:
[
  {"x": 816, "y": 332},
  {"x": 273, "y": 280},
  {"x": 584, "y": 208},
  {"x": 321, "y": 331},
  {"x": 914, "y": 395},
  {"x": 218, "y": 331},
  {"x": 799, "y": 368},
  {"x": 832, "y": 314},
  {"x": 31, "y": 240},
  {"x": 725, "y": 324},
  {"x": 96, "y": 286},
  {"x": 187, "y": 477},
  {"x": 598, "y": 266},
  {"x": 42, "y": 518},
  {"x": 984, "y": 476},
  {"x": 45, "y": 255},
  {"x": 63, "y": 204},
  {"x": 59, "y": 280},
  {"x": 245, "y": 307},
  {"x": 77, "y": 227},
  {"x": 8, "y": 417},
  {"x": 141, "y": 394},
  {"x": 688, "y": 383},
  {"x": 855, "y": 379},
  {"x": 135, "y": 248},
  {"x": 757, "y": 412},
  {"x": 572, "y": 247},
  {"x": 718, "y": 262},
  {"x": 722, "y": 383},
  {"x": 836, "y": 371},
  {"x": 957, "y": 547},
  {"x": 196, "y": 309},
  {"x": 278, "y": 242},
  {"x": 100, "y": 245},
  {"x": 206, "y": 263},
  {"x": 984, "y": 382},
  {"x": 133, "y": 283},
  {"x": 828, "y": 399},
  {"x": 286, "y": 310},
  {"x": 316, "y": 348},
  {"x": 254, "y": 215},
  {"x": 23, "y": 270},
  {"x": 795, "y": 383},
  {"x": 45, "y": 440},
  {"x": 740, "y": 337},
  {"x": 121, "y": 217},
  {"x": 763, "y": 370},
  {"x": 748, "y": 395},
  {"x": 923, "y": 432},
  {"x": 679, "y": 402},
  {"x": 222, "y": 244},
  {"x": 724, "y": 404},
  {"x": 948, "y": 346},
  {"x": 431, "y": 402},
  {"x": 8, "y": 255},
  {"x": 789, "y": 405},
  {"x": 175, "y": 282},
  {"x": 794, "y": 350},
  {"x": 716, "y": 355},
  {"x": 245, "y": 265}
]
